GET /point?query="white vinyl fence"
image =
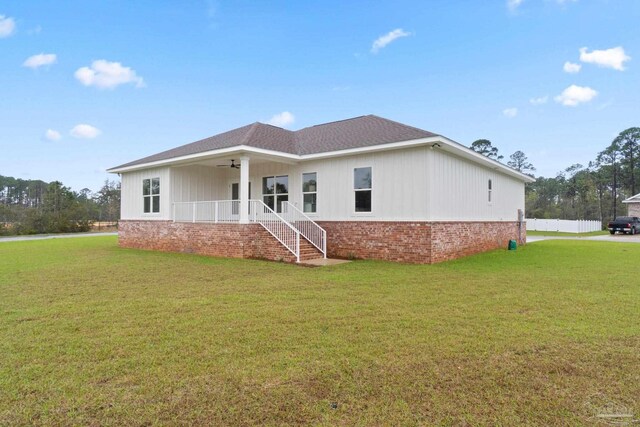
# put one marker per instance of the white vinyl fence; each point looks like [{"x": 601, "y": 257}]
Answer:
[{"x": 565, "y": 225}]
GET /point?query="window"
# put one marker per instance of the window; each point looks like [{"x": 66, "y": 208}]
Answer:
[
  {"x": 309, "y": 192},
  {"x": 151, "y": 195},
  {"x": 275, "y": 190},
  {"x": 489, "y": 190},
  {"x": 362, "y": 188}
]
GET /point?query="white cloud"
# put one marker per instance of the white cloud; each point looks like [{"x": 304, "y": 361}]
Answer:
[
  {"x": 540, "y": 100},
  {"x": 609, "y": 58},
  {"x": 574, "y": 95},
  {"x": 7, "y": 26},
  {"x": 107, "y": 75},
  {"x": 384, "y": 40},
  {"x": 39, "y": 60},
  {"x": 84, "y": 131},
  {"x": 571, "y": 68},
  {"x": 35, "y": 31},
  {"x": 513, "y": 5},
  {"x": 52, "y": 135},
  {"x": 510, "y": 112},
  {"x": 282, "y": 120}
]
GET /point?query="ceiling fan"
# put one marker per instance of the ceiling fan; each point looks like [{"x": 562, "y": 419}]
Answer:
[{"x": 232, "y": 165}]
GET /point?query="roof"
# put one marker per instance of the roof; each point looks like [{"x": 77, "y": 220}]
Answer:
[
  {"x": 344, "y": 137},
  {"x": 633, "y": 199},
  {"x": 357, "y": 132}
]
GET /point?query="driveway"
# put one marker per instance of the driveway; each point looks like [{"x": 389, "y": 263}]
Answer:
[
  {"x": 54, "y": 236},
  {"x": 623, "y": 238}
]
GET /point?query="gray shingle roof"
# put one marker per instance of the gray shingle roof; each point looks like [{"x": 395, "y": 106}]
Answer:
[{"x": 363, "y": 131}]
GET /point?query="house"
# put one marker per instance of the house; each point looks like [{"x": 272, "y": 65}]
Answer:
[
  {"x": 633, "y": 205},
  {"x": 365, "y": 187}
]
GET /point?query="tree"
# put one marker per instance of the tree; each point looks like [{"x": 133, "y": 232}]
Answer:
[
  {"x": 520, "y": 163},
  {"x": 608, "y": 161},
  {"x": 484, "y": 147},
  {"x": 629, "y": 143},
  {"x": 108, "y": 201}
]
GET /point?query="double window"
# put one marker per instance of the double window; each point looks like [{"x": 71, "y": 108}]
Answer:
[
  {"x": 309, "y": 192},
  {"x": 151, "y": 195},
  {"x": 275, "y": 190},
  {"x": 362, "y": 189}
]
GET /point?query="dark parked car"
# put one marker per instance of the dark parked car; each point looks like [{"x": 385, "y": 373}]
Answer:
[{"x": 625, "y": 224}]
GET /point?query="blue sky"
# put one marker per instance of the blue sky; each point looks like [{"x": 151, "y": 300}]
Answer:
[{"x": 89, "y": 85}]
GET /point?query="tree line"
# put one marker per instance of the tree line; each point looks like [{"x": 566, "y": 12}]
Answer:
[
  {"x": 35, "y": 206},
  {"x": 592, "y": 191}
]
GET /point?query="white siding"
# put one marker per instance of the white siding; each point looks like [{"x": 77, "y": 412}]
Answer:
[
  {"x": 408, "y": 184},
  {"x": 197, "y": 183},
  {"x": 131, "y": 194},
  {"x": 459, "y": 191},
  {"x": 399, "y": 185}
]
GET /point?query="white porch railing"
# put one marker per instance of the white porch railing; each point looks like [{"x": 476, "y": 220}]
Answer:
[
  {"x": 311, "y": 231},
  {"x": 228, "y": 211},
  {"x": 209, "y": 211}
]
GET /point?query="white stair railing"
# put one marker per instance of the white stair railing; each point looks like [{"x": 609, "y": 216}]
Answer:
[
  {"x": 311, "y": 231},
  {"x": 279, "y": 228}
]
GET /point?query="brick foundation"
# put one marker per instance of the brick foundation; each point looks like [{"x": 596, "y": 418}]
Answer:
[
  {"x": 459, "y": 239},
  {"x": 411, "y": 241},
  {"x": 416, "y": 242},
  {"x": 391, "y": 241},
  {"x": 223, "y": 240}
]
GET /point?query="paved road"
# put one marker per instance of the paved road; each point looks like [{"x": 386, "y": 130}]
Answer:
[
  {"x": 54, "y": 236},
  {"x": 624, "y": 238}
]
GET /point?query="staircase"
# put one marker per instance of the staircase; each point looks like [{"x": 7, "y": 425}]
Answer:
[
  {"x": 295, "y": 230},
  {"x": 292, "y": 228},
  {"x": 309, "y": 251}
]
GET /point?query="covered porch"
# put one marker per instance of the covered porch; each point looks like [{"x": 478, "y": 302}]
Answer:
[{"x": 243, "y": 189}]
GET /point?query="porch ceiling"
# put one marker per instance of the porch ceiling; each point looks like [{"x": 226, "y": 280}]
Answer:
[{"x": 254, "y": 159}]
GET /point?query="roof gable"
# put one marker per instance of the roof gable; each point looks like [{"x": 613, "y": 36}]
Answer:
[
  {"x": 358, "y": 132},
  {"x": 633, "y": 199}
]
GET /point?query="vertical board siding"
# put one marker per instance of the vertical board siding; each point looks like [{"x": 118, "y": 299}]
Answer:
[
  {"x": 409, "y": 184},
  {"x": 459, "y": 191},
  {"x": 197, "y": 183},
  {"x": 399, "y": 185},
  {"x": 131, "y": 194}
]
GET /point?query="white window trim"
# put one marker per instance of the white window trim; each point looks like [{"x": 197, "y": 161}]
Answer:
[
  {"x": 150, "y": 196},
  {"x": 274, "y": 195},
  {"x": 309, "y": 192},
  {"x": 490, "y": 194},
  {"x": 356, "y": 213}
]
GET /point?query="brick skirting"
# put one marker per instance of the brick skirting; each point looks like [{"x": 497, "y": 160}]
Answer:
[
  {"x": 223, "y": 240},
  {"x": 408, "y": 241},
  {"x": 416, "y": 242}
]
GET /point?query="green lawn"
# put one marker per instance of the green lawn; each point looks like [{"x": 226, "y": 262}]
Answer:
[{"x": 91, "y": 334}]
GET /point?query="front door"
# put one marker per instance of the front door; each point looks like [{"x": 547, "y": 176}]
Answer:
[{"x": 235, "y": 195}]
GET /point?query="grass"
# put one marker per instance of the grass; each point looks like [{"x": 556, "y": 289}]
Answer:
[
  {"x": 91, "y": 334},
  {"x": 561, "y": 233}
]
